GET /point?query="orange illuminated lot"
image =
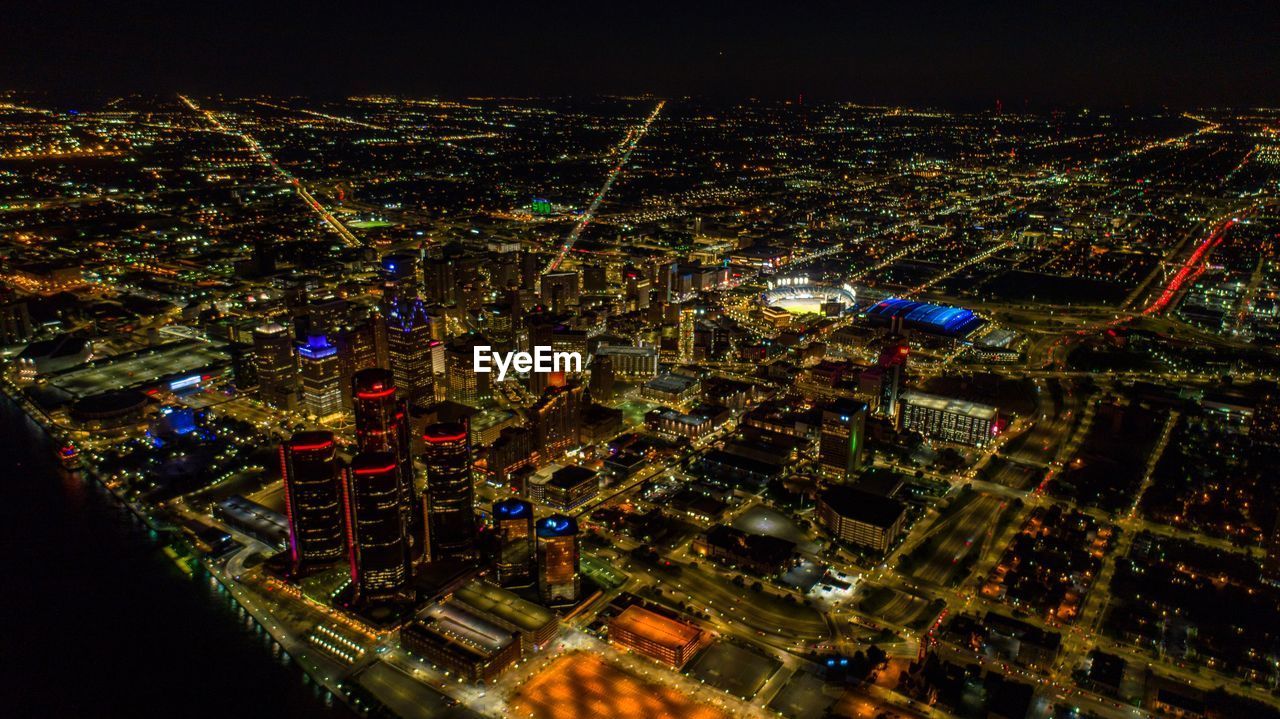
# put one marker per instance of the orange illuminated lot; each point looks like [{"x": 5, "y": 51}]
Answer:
[{"x": 585, "y": 686}]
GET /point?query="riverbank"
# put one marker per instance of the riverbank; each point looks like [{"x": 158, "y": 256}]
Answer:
[{"x": 105, "y": 622}]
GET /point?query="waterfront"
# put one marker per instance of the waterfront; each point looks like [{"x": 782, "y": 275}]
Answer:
[{"x": 102, "y": 623}]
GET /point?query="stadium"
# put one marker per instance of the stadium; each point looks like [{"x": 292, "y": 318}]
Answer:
[
  {"x": 799, "y": 295},
  {"x": 924, "y": 317}
]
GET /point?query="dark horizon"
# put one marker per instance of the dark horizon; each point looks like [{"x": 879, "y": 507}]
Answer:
[{"x": 1180, "y": 55}]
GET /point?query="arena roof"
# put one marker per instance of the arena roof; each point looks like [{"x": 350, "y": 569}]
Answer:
[{"x": 936, "y": 319}]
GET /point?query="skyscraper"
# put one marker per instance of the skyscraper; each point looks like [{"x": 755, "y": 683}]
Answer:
[
  {"x": 602, "y": 378},
  {"x": 438, "y": 282},
  {"x": 399, "y": 279},
  {"x": 685, "y": 341},
  {"x": 465, "y": 385},
  {"x": 450, "y": 494},
  {"x": 560, "y": 290},
  {"x": 843, "y": 434},
  {"x": 557, "y": 419},
  {"x": 321, "y": 377},
  {"x": 379, "y": 549},
  {"x": 513, "y": 520},
  {"x": 382, "y": 425},
  {"x": 357, "y": 350},
  {"x": 277, "y": 371},
  {"x": 512, "y": 452},
  {"x": 408, "y": 350},
  {"x": 497, "y": 323},
  {"x": 312, "y": 499},
  {"x": 893, "y": 363},
  {"x": 559, "y": 580}
]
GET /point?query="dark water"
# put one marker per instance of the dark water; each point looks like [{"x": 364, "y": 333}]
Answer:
[{"x": 95, "y": 621}]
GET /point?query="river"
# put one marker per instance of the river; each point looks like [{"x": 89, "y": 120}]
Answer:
[{"x": 98, "y": 622}]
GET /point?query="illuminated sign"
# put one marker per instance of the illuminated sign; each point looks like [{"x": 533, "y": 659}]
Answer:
[{"x": 543, "y": 359}]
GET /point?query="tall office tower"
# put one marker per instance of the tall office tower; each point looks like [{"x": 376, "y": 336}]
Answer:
[
  {"x": 321, "y": 376},
  {"x": 277, "y": 370},
  {"x": 559, "y": 580},
  {"x": 504, "y": 270},
  {"x": 378, "y": 546},
  {"x": 511, "y": 452},
  {"x": 560, "y": 290},
  {"x": 471, "y": 285},
  {"x": 893, "y": 362},
  {"x": 325, "y": 315},
  {"x": 408, "y": 349},
  {"x": 312, "y": 499},
  {"x": 244, "y": 369},
  {"x": 530, "y": 269},
  {"x": 666, "y": 276},
  {"x": 602, "y": 378},
  {"x": 497, "y": 323},
  {"x": 382, "y": 425},
  {"x": 557, "y": 420},
  {"x": 436, "y": 349},
  {"x": 684, "y": 350},
  {"x": 357, "y": 350},
  {"x": 465, "y": 385},
  {"x": 438, "y": 285},
  {"x": 399, "y": 279},
  {"x": 638, "y": 290},
  {"x": 843, "y": 434},
  {"x": 513, "y": 520},
  {"x": 450, "y": 494}
]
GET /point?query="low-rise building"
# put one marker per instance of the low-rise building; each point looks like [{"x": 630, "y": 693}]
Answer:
[
  {"x": 695, "y": 424},
  {"x": 861, "y": 518},
  {"x": 457, "y": 640},
  {"x": 756, "y": 553},
  {"x": 570, "y": 488},
  {"x": 654, "y": 635},
  {"x": 948, "y": 419}
]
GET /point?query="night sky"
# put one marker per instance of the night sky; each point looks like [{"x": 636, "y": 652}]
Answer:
[{"x": 1025, "y": 54}]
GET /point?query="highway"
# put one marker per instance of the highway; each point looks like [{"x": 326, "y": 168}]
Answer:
[
  {"x": 333, "y": 222},
  {"x": 627, "y": 145}
]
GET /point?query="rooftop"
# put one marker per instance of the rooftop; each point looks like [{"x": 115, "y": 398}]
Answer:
[
  {"x": 863, "y": 506},
  {"x": 671, "y": 383},
  {"x": 949, "y": 404},
  {"x": 452, "y": 621},
  {"x": 504, "y": 605},
  {"x": 656, "y": 628},
  {"x": 938, "y": 319}
]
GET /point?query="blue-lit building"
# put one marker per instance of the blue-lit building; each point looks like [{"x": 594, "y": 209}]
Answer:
[
  {"x": 513, "y": 523},
  {"x": 321, "y": 376},
  {"x": 559, "y": 579},
  {"x": 899, "y": 314}
]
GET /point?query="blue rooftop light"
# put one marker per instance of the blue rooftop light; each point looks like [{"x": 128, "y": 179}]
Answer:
[
  {"x": 930, "y": 318},
  {"x": 556, "y": 526},
  {"x": 512, "y": 508},
  {"x": 317, "y": 347}
]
